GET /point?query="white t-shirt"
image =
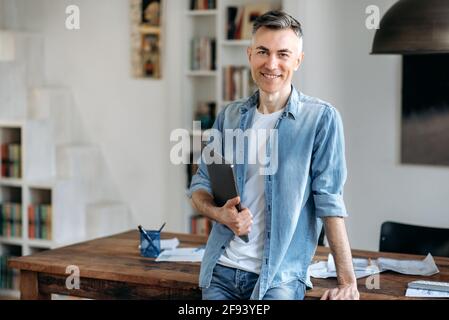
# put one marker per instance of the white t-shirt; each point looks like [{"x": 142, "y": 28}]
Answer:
[{"x": 248, "y": 256}]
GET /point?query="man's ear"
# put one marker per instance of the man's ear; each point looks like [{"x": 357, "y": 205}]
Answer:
[
  {"x": 299, "y": 61},
  {"x": 249, "y": 52}
]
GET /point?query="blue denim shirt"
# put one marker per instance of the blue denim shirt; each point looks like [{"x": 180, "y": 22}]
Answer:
[{"x": 307, "y": 186}]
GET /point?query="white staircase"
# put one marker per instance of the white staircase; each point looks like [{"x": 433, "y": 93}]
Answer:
[{"x": 55, "y": 149}]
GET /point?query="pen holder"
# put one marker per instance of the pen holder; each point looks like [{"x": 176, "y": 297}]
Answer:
[{"x": 146, "y": 249}]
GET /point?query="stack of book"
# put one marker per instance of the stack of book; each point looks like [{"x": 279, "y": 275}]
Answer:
[
  {"x": 10, "y": 160},
  {"x": 39, "y": 221},
  {"x": 237, "y": 83},
  {"x": 200, "y": 225},
  {"x": 202, "y": 4},
  {"x": 11, "y": 220},
  {"x": 203, "y": 53},
  {"x": 9, "y": 278}
]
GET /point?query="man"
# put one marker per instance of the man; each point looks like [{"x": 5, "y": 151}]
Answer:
[{"x": 284, "y": 210}]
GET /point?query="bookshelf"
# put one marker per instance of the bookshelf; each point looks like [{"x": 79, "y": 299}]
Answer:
[
  {"x": 212, "y": 85},
  {"x": 17, "y": 194}
]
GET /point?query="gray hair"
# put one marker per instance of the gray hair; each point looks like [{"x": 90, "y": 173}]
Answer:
[{"x": 277, "y": 20}]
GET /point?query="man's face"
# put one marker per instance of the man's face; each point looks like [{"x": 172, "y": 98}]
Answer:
[{"x": 274, "y": 56}]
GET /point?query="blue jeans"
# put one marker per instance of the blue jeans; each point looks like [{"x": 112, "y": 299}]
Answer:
[{"x": 234, "y": 284}]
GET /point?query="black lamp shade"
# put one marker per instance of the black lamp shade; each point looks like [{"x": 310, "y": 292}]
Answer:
[{"x": 414, "y": 27}]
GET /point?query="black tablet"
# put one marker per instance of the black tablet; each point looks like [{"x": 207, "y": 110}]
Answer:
[{"x": 223, "y": 182}]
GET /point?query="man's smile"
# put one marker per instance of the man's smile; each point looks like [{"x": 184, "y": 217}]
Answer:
[{"x": 270, "y": 76}]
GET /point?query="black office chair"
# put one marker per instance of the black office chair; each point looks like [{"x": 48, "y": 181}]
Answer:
[{"x": 405, "y": 238}]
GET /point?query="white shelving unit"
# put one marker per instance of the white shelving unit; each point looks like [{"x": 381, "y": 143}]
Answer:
[
  {"x": 202, "y": 13},
  {"x": 244, "y": 43},
  {"x": 58, "y": 166},
  {"x": 201, "y": 73},
  {"x": 207, "y": 85}
]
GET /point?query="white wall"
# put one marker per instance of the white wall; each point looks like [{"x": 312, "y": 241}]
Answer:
[
  {"x": 126, "y": 117},
  {"x": 366, "y": 89}
]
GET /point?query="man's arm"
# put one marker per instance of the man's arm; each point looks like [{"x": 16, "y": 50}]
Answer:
[{"x": 338, "y": 242}]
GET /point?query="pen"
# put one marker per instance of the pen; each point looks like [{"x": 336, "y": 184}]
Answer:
[
  {"x": 145, "y": 234},
  {"x": 160, "y": 229}
]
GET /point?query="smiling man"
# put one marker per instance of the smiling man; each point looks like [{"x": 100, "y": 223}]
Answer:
[{"x": 283, "y": 211}]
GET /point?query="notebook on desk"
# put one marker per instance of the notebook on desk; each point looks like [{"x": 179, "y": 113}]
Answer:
[{"x": 223, "y": 182}]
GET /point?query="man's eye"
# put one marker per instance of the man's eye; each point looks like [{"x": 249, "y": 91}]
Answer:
[
  {"x": 262, "y": 52},
  {"x": 284, "y": 55}
]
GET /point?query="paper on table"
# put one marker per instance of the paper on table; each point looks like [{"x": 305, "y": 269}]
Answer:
[
  {"x": 182, "y": 254},
  {"x": 169, "y": 244},
  {"x": 419, "y": 293},
  {"x": 362, "y": 268},
  {"x": 366, "y": 267},
  {"x": 426, "y": 267}
]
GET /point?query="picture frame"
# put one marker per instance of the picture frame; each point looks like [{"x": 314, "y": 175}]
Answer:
[{"x": 146, "y": 38}]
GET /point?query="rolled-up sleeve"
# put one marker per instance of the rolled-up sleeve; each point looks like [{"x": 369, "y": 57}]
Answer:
[
  {"x": 328, "y": 168},
  {"x": 201, "y": 180}
]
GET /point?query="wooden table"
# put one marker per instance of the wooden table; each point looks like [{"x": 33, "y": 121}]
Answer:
[{"x": 112, "y": 268}]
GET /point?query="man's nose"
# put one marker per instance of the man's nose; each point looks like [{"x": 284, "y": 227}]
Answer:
[{"x": 271, "y": 62}]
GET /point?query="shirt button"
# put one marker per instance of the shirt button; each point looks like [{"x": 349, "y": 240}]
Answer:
[{"x": 223, "y": 247}]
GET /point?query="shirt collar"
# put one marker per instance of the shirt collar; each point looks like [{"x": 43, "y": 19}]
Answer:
[{"x": 292, "y": 108}]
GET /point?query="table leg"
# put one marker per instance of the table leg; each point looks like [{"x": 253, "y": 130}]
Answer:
[{"x": 29, "y": 286}]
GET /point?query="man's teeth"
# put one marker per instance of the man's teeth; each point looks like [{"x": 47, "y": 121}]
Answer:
[{"x": 270, "y": 76}]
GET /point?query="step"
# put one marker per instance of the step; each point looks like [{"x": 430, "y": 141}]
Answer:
[
  {"x": 68, "y": 201},
  {"x": 39, "y": 151},
  {"x": 13, "y": 91},
  {"x": 78, "y": 161},
  {"x": 29, "y": 51},
  {"x": 21, "y": 68},
  {"x": 86, "y": 164},
  {"x": 56, "y": 106}
]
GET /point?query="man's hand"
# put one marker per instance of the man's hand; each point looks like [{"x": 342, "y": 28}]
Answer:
[
  {"x": 342, "y": 292},
  {"x": 239, "y": 222}
]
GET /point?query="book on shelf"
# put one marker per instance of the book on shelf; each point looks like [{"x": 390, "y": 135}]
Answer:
[
  {"x": 11, "y": 220},
  {"x": 203, "y": 53},
  {"x": 10, "y": 158},
  {"x": 240, "y": 19},
  {"x": 237, "y": 83},
  {"x": 9, "y": 278},
  {"x": 205, "y": 113},
  {"x": 39, "y": 221},
  {"x": 200, "y": 225},
  {"x": 202, "y": 4}
]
